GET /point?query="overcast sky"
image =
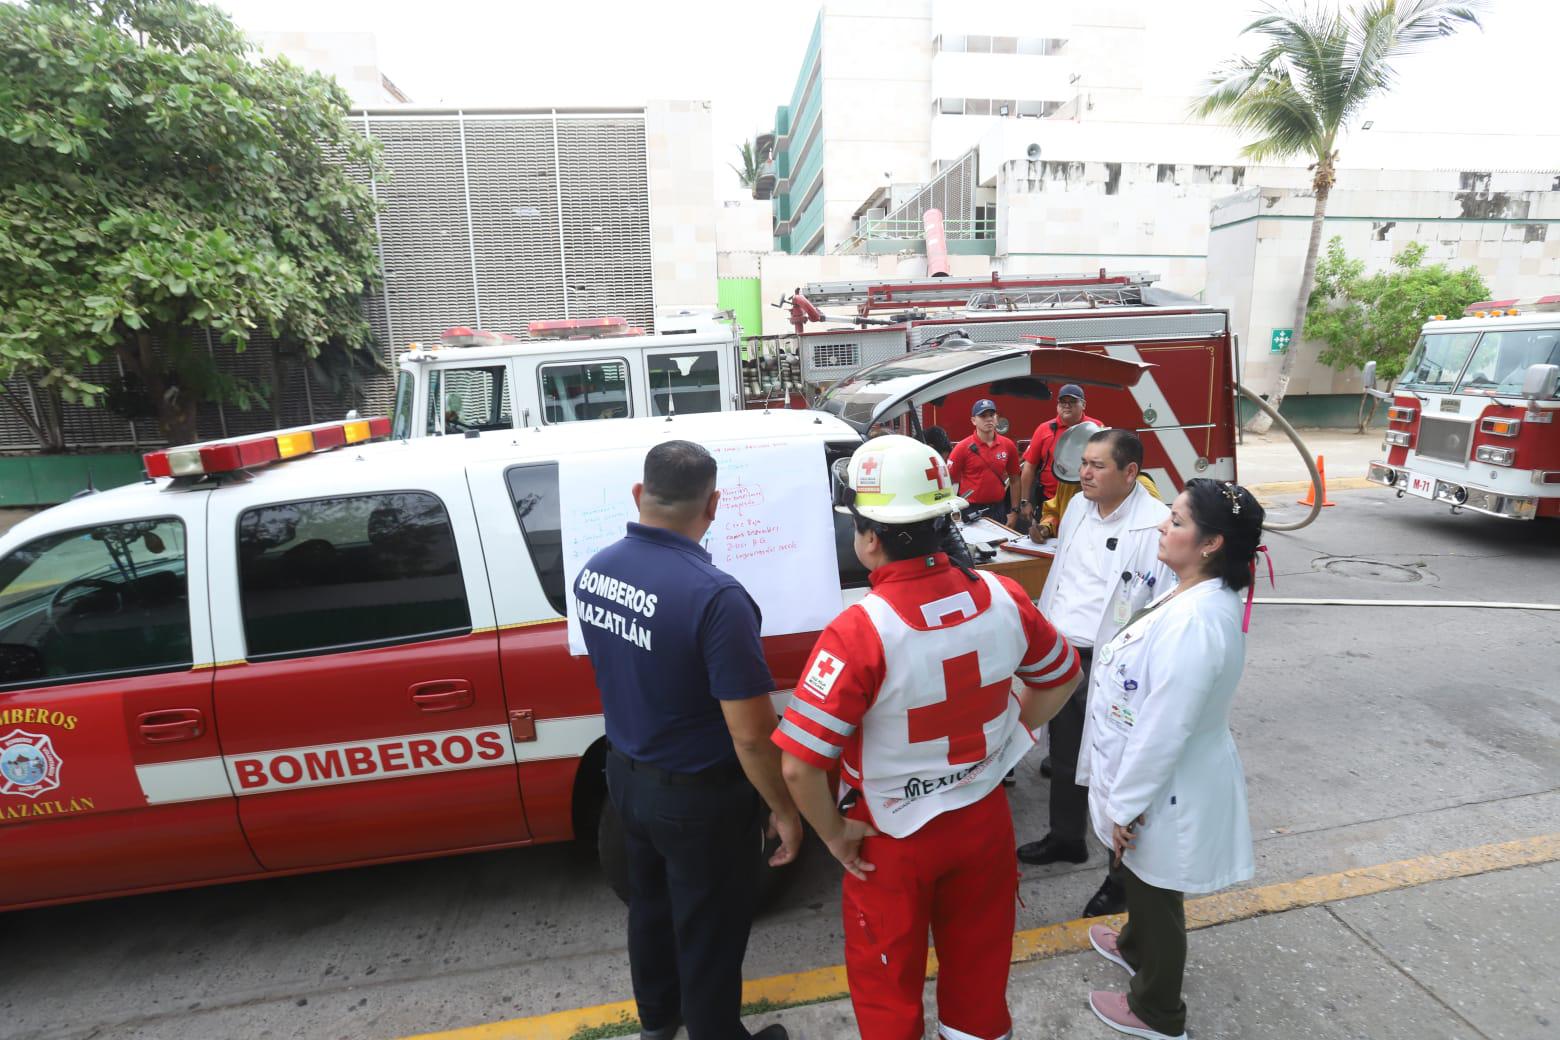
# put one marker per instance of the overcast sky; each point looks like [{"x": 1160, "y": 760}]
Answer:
[{"x": 744, "y": 57}]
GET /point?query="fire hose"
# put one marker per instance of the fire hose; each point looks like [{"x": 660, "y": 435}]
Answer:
[{"x": 1317, "y": 494}]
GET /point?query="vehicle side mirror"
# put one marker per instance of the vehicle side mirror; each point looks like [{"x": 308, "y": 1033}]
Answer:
[
  {"x": 1540, "y": 381},
  {"x": 1370, "y": 375}
]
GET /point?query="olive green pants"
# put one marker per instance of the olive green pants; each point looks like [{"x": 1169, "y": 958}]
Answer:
[{"x": 1153, "y": 941}]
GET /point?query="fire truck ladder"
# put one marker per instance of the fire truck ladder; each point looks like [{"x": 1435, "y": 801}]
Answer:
[{"x": 994, "y": 293}]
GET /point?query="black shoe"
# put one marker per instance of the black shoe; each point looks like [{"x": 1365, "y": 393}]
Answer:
[
  {"x": 1011, "y": 780},
  {"x": 1110, "y": 899},
  {"x": 664, "y": 1033},
  {"x": 1045, "y": 767},
  {"x": 1051, "y": 849},
  {"x": 773, "y": 1031}
]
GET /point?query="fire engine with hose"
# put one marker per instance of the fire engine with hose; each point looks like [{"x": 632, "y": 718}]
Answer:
[
  {"x": 1184, "y": 409},
  {"x": 1471, "y": 419}
]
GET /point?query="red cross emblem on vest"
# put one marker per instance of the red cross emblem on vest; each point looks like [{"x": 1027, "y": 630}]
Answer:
[{"x": 962, "y": 715}]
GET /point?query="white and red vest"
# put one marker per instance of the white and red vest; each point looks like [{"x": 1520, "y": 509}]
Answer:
[{"x": 910, "y": 690}]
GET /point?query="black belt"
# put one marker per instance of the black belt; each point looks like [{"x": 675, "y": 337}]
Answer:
[{"x": 714, "y": 776}]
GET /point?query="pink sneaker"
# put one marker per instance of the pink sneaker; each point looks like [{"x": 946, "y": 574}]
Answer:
[
  {"x": 1112, "y": 1009},
  {"x": 1104, "y": 942}
]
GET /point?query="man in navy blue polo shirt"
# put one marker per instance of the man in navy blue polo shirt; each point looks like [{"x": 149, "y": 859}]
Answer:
[{"x": 674, "y": 642}]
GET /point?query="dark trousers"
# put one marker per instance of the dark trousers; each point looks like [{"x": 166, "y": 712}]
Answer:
[
  {"x": 1069, "y": 802},
  {"x": 692, "y": 893},
  {"x": 1153, "y": 941}
]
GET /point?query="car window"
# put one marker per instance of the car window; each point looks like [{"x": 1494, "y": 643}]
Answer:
[
  {"x": 344, "y": 573},
  {"x": 95, "y": 602},
  {"x": 684, "y": 382},
  {"x": 476, "y": 398},
  {"x": 1503, "y": 358},
  {"x": 534, "y": 491},
  {"x": 585, "y": 390},
  {"x": 853, "y": 573}
]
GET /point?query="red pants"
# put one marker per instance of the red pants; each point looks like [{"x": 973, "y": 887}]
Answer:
[{"x": 957, "y": 875}]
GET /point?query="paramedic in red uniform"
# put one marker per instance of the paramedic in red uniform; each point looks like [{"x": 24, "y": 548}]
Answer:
[
  {"x": 985, "y": 466},
  {"x": 910, "y": 694},
  {"x": 1041, "y": 453}
]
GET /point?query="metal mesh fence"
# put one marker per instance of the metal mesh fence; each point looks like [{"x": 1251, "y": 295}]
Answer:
[{"x": 492, "y": 220}]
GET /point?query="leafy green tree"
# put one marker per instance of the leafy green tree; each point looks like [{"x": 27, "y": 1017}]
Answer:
[
  {"x": 1318, "y": 68},
  {"x": 1376, "y": 317},
  {"x": 156, "y": 180}
]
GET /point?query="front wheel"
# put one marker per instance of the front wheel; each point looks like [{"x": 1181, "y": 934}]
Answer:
[{"x": 613, "y": 853}]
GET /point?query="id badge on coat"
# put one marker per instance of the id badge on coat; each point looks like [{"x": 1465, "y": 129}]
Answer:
[{"x": 1121, "y": 604}]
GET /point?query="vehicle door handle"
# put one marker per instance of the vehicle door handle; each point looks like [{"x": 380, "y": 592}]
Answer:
[
  {"x": 172, "y": 725},
  {"x": 443, "y": 695}
]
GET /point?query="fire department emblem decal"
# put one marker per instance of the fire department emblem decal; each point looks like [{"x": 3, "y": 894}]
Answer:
[{"x": 29, "y": 765}]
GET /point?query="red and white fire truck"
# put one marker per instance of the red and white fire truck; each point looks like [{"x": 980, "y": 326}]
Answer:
[
  {"x": 301, "y": 650},
  {"x": 1184, "y": 409},
  {"x": 1472, "y": 417}
]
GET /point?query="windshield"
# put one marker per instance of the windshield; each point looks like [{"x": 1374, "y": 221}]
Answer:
[
  {"x": 1503, "y": 358},
  {"x": 1436, "y": 360},
  {"x": 401, "y": 424}
]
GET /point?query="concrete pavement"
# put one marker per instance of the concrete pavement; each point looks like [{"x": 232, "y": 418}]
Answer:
[
  {"x": 1272, "y": 458},
  {"x": 1465, "y": 958}
]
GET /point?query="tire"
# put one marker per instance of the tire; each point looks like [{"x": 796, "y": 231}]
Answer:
[{"x": 613, "y": 854}]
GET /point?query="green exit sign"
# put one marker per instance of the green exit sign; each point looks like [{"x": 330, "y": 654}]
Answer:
[{"x": 1281, "y": 338}]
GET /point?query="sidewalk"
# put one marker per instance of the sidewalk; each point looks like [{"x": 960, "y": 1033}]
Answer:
[
  {"x": 1272, "y": 458},
  {"x": 1453, "y": 944},
  {"x": 1464, "y": 958}
]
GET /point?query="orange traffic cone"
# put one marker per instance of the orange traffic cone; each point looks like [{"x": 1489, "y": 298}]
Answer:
[{"x": 1310, "y": 492}]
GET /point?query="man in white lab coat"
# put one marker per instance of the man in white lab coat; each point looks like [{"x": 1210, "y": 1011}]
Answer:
[{"x": 1106, "y": 568}]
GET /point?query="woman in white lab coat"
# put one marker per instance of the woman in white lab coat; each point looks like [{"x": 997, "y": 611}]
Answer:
[{"x": 1166, "y": 789}]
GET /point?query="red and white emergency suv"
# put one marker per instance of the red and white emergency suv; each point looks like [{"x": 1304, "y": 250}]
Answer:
[
  {"x": 1184, "y": 410},
  {"x": 583, "y": 369},
  {"x": 1472, "y": 418},
  {"x": 302, "y": 650}
]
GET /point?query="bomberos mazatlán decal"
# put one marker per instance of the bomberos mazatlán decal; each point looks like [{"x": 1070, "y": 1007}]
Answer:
[{"x": 31, "y": 767}]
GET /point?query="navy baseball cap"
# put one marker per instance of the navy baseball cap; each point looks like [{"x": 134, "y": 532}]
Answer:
[
  {"x": 1070, "y": 390},
  {"x": 985, "y": 404}
]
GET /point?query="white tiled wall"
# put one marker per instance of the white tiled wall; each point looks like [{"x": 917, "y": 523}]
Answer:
[{"x": 683, "y": 209}]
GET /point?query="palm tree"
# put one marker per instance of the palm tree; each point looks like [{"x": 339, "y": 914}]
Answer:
[
  {"x": 751, "y": 161},
  {"x": 1319, "y": 68}
]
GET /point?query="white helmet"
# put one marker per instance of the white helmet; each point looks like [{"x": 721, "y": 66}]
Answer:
[{"x": 899, "y": 480}]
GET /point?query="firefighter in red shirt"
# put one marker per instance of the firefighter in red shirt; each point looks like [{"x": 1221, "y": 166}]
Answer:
[
  {"x": 985, "y": 466},
  {"x": 1041, "y": 453},
  {"x": 910, "y": 695}
]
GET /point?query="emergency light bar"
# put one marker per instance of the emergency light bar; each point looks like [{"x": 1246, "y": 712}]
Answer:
[
  {"x": 582, "y": 328},
  {"x": 236, "y": 453},
  {"x": 465, "y": 336},
  {"x": 1511, "y": 308}
]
